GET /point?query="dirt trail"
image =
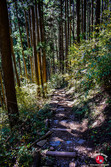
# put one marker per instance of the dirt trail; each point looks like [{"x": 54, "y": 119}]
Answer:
[{"x": 67, "y": 134}]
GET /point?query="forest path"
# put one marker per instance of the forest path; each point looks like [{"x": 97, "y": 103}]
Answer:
[{"x": 67, "y": 134}]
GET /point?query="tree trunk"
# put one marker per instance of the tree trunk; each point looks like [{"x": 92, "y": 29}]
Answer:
[
  {"x": 97, "y": 12},
  {"x": 73, "y": 22},
  {"x": 1, "y": 99},
  {"x": 5, "y": 50},
  {"x": 3, "y": 93},
  {"x": 84, "y": 19},
  {"x": 14, "y": 60},
  {"x": 34, "y": 51},
  {"x": 21, "y": 41},
  {"x": 39, "y": 52},
  {"x": 31, "y": 61},
  {"x": 92, "y": 4},
  {"x": 78, "y": 20},
  {"x": 97, "y": 16},
  {"x": 70, "y": 23},
  {"x": 61, "y": 52},
  {"x": 66, "y": 35},
  {"x": 42, "y": 29}
]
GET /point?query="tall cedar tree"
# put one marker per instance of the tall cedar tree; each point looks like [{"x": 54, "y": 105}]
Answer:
[
  {"x": 84, "y": 19},
  {"x": 42, "y": 34},
  {"x": 34, "y": 50},
  {"x": 78, "y": 20},
  {"x": 23, "y": 55},
  {"x": 5, "y": 51},
  {"x": 97, "y": 12},
  {"x": 61, "y": 51},
  {"x": 92, "y": 4}
]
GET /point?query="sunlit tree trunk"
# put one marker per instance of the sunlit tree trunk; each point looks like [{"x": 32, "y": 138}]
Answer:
[
  {"x": 35, "y": 52},
  {"x": 5, "y": 51},
  {"x": 42, "y": 29},
  {"x": 14, "y": 61},
  {"x": 40, "y": 72}
]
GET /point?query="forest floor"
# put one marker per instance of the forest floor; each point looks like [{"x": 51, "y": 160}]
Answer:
[{"x": 71, "y": 134}]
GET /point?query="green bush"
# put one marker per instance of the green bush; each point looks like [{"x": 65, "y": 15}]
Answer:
[{"x": 91, "y": 60}]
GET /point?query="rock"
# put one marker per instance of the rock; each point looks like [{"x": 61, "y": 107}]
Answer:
[
  {"x": 81, "y": 141},
  {"x": 72, "y": 164},
  {"x": 56, "y": 121},
  {"x": 51, "y": 148},
  {"x": 89, "y": 149},
  {"x": 60, "y": 109},
  {"x": 64, "y": 122},
  {"x": 55, "y": 101},
  {"x": 62, "y": 130},
  {"x": 55, "y": 143},
  {"x": 41, "y": 143},
  {"x": 68, "y": 142}
]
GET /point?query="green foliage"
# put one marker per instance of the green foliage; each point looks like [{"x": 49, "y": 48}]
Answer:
[
  {"x": 33, "y": 113},
  {"x": 91, "y": 60},
  {"x": 58, "y": 80}
]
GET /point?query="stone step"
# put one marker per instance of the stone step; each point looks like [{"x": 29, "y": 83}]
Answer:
[
  {"x": 62, "y": 130},
  {"x": 59, "y": 153}
]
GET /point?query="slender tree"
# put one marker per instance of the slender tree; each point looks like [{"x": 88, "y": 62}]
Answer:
[
  {"x": 84, "y": 19},
  {"x": 78, "y": 20},
  {"x": 61, "y": 51},
  {"x": 14, "y": 61},
  {"x": 21, "y": 40},
  {"x": 92, "y": 4},
  {"x": 34, "y": 51},
  {"x": 42, "y": 33},
  {"x": 97, "y": 12},
  {"x": 73, "y": 22},
  {"x": 5, "y": 51},
  {"x": 66, "y": 40}
]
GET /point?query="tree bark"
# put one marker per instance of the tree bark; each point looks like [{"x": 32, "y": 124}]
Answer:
[
  {"x": 5, "y": 50},
  {"x": 42, "y": 29},
  {"x": 66, "y": 35},
  {"x": 34, "y": 51},
  {"x": 3, "y": 93},
  {"x": 61, "y": 51},
  {"x": 40, "y": 72},
  {"x": 92, "y": 4},
  {"x": 21, "y": 40},
  {"x": 84, "y": 19},
  {"x": 14, "y": 60},
  {"x": 97, "y": 12},
  {"x": 78, "y": 20}
]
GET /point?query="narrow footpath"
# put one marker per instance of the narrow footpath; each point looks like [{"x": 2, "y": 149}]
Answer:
[{"x": 67, "y": 142}]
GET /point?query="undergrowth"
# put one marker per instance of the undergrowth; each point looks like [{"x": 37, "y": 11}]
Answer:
[{"x": 15, "y": 145}]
